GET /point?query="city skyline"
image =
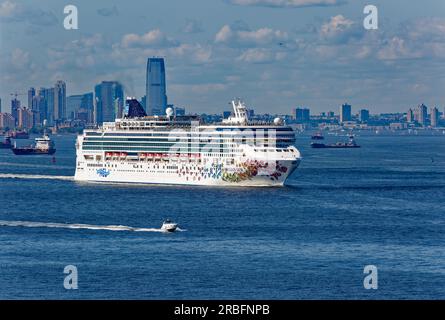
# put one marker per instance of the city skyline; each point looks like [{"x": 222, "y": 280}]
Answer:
[
  {"x": 274, "y": 57},
  {"x": 34, "y": 95}
]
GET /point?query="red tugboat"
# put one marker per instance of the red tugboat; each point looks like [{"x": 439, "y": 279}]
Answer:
[
  {"x": 43, "y": 145},
  {"x": 6, "y": 143}
]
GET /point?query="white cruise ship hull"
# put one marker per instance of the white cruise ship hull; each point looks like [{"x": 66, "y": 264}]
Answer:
[{"x": 186, "y": 174}]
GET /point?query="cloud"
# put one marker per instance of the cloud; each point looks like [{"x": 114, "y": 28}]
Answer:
[
  {"x": 287, "y": 3},
  {"x": 262, "y": 36},
  {"x": 19, "y": 58},
  {"x": 256, "y": 56},
  {"x": 14, "y": 12},
  {"x": 432, "y": 29},
  {"x": 395, "y": 48},
  {"x": 7, "y": 9},
  {"x": 108, "y": 12},
  {"x": 88, "y": 52},
  {"x": 193, "y": 26},
  {"x": 340, "y": 30},
  {"x": 422, "y": 38},
  {"x": 196, "y": 53},
  {"x": 152, "y": 38},
  {"x": 202, "y": 88}
]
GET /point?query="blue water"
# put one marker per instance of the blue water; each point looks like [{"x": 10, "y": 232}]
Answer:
[{"x": 379, "y": 205}]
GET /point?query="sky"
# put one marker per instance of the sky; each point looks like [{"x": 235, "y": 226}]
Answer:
[{"x": 274, "y": 54}]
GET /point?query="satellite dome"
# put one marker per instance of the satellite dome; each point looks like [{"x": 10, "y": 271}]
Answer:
[
  {"x": 277, "y": 121},
  {"x": 169, "y": 112}
]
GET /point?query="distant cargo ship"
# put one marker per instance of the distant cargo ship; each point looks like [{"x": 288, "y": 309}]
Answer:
[
  {"x": 6, "y": 143},
  {"x": 20, "y": 135},
  {"x": 43, "y": 145},
  {"x": 337, "y": 145}
]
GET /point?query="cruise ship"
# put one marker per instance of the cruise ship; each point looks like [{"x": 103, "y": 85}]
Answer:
[{"x": 184, "y": 150}]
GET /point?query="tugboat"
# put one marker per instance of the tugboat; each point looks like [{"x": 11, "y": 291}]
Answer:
[
  {"x": 337, "y": 145},
  {"x": 6, "y": 143},
  {"x": 169, "y": 226},
  {"x": 43, "y": 145}
]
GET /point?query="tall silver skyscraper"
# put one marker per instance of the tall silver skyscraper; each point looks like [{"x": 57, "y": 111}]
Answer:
[
  {"x": 59, "y": 100},
  {"x": 155, "y": 87}
]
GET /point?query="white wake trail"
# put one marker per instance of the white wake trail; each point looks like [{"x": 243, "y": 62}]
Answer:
[
  {"x": 32, "y": 165},
  {"x": 34, "y": 176},
  {"x": 30, "y": 224}
]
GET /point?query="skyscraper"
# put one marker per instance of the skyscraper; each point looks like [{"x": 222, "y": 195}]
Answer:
[
  {"x": 15, "y": 105},
  {"x": 364, "y": 115},
  {"x": 410, "y": 115},
  {"x": 143, "y": 102},
  {"x": 345, "y": 113},
  {"x": 25, "y": 118},
  {"x": 156, "y": 87},
  {"x": 47, "y": 110},
  {"x": 6, "y": 121},
  {"x": 88, "y": 105},
  {"x": 73, "y": 104},
  {"x": 59, "y": 101},
  {"x": 434, "y": 117},
  {"x": 302, "y": 115},
  {"x": 109, "y": 98},
  {"x": 421, "y": 114},
  {"x": 38, "y": 109},
  {"x": 31, "y": 94},
  {"x": 80, "y": 101}
]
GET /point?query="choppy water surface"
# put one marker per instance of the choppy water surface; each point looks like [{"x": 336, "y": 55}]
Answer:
[{"x": 382, "y": 204}]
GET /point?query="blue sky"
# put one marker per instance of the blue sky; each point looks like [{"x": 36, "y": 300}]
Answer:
[{"x": 276, "y": 54}]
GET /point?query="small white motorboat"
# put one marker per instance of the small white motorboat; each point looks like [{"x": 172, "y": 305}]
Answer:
[{"x": 169, "y": 226}]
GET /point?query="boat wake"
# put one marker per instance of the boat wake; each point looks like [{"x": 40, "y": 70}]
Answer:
[
  {"x": 32, "y": 165},
  {"x": 33, "y": 176},
  {"x": 30, "y": 224}
]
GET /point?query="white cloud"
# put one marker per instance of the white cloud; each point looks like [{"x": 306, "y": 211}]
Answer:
[
  {"x": 394, "y": 49},
  {"x": 195, "y": 52},
  {"x": 20, "y": 59},
  {"x": 262, "y": 36},
  {"x": 152, "y": 38},
  {"x": 432, "y": 29},
  {"x": 260, "y": 55},
  {"x": 287, "y": 3},
  {"x": 15, "y": 12},
  {"x": 8, "y": 9},
  {"x": 224, "y": 34},
  {"x": 341, "y": 30}
]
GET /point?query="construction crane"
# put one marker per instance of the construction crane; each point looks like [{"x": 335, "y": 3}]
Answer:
[{"x": 16, "y": 94}]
